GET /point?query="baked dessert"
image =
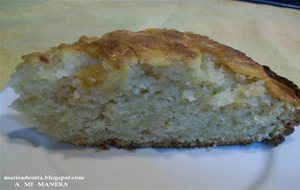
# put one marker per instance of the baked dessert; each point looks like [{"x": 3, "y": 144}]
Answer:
[{"x": 154, "y": 88}]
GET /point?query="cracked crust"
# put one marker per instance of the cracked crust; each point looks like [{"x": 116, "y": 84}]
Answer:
[{"x": 122, "y": 49}]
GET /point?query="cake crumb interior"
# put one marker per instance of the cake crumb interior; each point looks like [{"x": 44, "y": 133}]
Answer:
[{"x": 200, "y": 101}]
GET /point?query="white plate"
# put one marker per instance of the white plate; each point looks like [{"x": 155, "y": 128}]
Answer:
[{"x": 27, "y": 152}]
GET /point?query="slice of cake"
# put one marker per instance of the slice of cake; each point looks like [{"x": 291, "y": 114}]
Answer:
[{"x": 154, "y": 88}]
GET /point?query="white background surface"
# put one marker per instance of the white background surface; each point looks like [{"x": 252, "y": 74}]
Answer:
[{"x": 27, "y": 152}]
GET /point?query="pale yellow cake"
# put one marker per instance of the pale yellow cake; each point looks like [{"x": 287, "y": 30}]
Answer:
[{"x": 154, "y": 88}]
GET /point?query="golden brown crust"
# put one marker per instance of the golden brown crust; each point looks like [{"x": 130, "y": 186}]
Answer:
[
  {"x": 282, "y": 80},
  {"x": 163, "y": 46}
]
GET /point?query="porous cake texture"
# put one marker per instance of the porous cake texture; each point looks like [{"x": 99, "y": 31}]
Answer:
[{"x": 154, "y": 88}]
